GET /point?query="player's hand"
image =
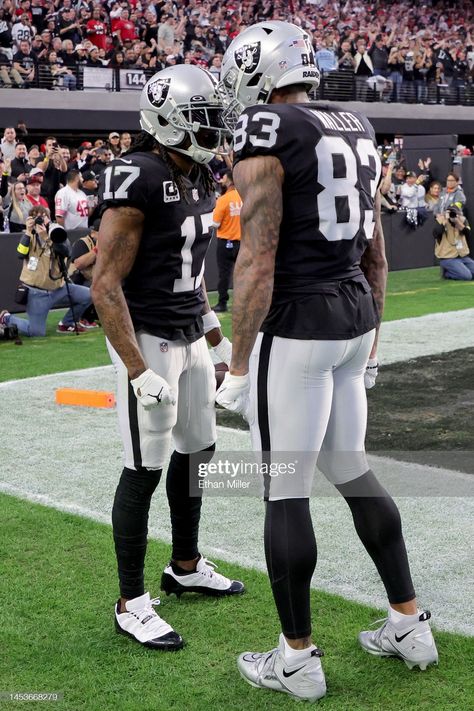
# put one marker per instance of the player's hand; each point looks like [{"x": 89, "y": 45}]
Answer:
[
  {"x": 151, "y": 390},
  {"x": 234, "y": 394},
  {"x": 371, "y": 372},
  {"x": 223, "y": 351}
]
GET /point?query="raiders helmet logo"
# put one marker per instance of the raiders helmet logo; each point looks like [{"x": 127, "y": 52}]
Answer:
[
  {"x": 158, "y": 91},
  {"x": 248, "y": 57}
]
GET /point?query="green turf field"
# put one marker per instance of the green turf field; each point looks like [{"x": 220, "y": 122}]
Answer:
[
  {"x": 58, "y": 586},
  {"x": 415, "y": 292},
  {"x": 58, "y": 580}
]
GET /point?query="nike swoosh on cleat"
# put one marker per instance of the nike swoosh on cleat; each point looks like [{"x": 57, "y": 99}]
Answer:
[
  {"x": 287, "y": 674},
  {"x": 399, "y": 639}
]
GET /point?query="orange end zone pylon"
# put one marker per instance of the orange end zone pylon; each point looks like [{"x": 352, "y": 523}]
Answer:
[{"x": 84, "y": 398}]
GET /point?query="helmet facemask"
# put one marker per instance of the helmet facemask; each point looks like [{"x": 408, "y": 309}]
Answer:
[{"x": 180, "y": 108}]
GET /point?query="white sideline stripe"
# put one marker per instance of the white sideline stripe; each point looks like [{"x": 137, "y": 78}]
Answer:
[
  {"x": 50, "y": 501},
  {"x": 95, "y": 369}
]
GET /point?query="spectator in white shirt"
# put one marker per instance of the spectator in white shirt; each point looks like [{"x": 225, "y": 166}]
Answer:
[
  {"x": 71, "y": 205},
  {"x": 411, "y": 194},
  {"x": 8, "y": 143},
  {"x": 22, "y": 31},
  {"x": 412, "y": 199}
]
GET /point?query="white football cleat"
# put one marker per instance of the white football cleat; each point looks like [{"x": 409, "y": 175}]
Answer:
[
  {"x": 302, "y": 680},
  {"x": 144, "y": 625},
  {"x": 413, "y": 643},
  {"x": 203, "y": 580}
]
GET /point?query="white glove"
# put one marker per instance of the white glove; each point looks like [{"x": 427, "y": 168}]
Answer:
[
  {"x": 371, "y": 372},
  {"x": 151, "y": 390},
  {"x": 234, "y": 393},
  {"x": 223, "y": 351}
]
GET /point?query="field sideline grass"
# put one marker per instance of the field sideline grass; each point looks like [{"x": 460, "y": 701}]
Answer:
[
  {"x": 415, "y": 292},
  {"x": 58, "y": 585}
]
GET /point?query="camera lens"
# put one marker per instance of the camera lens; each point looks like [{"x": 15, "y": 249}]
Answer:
[{"x": 39, "y": 220}]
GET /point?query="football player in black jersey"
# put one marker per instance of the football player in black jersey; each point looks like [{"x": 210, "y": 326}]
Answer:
[
  {"x": 156, "y": 204},
  {"x": 308, "y": 298}
]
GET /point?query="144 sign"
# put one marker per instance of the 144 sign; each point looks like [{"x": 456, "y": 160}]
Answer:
[{"x": 135, "y": 80}]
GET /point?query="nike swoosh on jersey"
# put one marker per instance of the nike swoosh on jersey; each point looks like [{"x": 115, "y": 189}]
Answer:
[
  {"x": 399, "y": 639},
  {"x": 125, "y": 160}
]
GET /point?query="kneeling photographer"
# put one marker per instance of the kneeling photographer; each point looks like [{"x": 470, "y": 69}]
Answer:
[
  {"x": 451, "y": 246},
  {"x": 43, "y": 249}
]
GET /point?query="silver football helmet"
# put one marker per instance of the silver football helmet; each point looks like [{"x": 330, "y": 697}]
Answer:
[
  {"x": 264, "y": 57},
  {"x": 182, "y": 101}
]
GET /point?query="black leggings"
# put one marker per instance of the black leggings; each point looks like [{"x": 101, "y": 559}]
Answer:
[
  {"x": 291, "y": 553},
  {"x": 130, "y": 517}
]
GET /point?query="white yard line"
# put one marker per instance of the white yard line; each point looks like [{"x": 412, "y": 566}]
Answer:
[{"x": 70, "y": 459}]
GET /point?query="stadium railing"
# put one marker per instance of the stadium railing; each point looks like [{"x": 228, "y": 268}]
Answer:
[{"x": 335, "y": 85}]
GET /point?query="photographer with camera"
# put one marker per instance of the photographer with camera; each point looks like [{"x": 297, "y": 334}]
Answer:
[
  {"x": 43, "y": 248},
  {"x": 451, "y": 233}
]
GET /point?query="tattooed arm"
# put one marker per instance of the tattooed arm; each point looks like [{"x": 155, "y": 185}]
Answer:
[
  {"x": 259, "y": 181},
  {"x": 374, "y": 266},
  {"x": 119, "y": 237}
]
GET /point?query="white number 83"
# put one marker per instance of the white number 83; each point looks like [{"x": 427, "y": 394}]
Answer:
[{"x": 263, "y": 133}]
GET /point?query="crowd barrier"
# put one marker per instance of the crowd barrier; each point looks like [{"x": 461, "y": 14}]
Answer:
[{"x": 406, "y": 249}]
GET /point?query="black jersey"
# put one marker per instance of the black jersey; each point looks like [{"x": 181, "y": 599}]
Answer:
[
  {"x": 163, "y": 289},
  {"x": 332, "y": 170}
]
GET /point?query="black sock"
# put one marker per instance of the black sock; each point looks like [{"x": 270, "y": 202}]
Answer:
[
  {"x": 185, "y": 510},
  {"x": 378, "y": 525},
  {"x": 291, "y": 554},
  {"x": 130, "y": 526},
  {"x": 181, "y": 571}
]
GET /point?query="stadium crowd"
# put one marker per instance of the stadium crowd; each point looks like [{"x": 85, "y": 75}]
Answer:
[
  {"x": 64, "y": 178},
  {"x": 399, "y": 49}
]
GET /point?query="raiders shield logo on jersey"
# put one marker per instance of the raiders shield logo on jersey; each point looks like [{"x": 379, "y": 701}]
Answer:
[
  {"x": 158, "y": 91},
  {"x": 248, "y": 57},
  {"x": 170, "y": 191},
  {"x": 195, "y": 194},
  {"x": 164, "y": 347}
]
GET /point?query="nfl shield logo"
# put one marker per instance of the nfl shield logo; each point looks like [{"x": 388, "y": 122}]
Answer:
[
  {"x": 195, "y": 194},
  {"x": 164, "y": 347}
]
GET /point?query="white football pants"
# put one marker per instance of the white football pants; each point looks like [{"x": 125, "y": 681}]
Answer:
[
  {"x": 191, "y": 423},
  {"x": 308, "y": 401}
]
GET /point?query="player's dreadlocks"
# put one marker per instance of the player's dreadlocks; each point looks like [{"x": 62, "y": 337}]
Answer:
[{"x": 146, "y": 142}]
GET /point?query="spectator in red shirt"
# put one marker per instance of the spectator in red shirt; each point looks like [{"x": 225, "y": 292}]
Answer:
[
  {"x": 125, "y": 28},
  {"x": 33, "y": 187},
  {"x": 97, "y": 30}
]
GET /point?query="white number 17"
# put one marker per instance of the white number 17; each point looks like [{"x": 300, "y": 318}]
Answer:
[{"x": 187, "y": 282}]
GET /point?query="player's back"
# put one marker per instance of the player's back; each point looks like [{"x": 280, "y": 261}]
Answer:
[
  {"x": 332, "y": 170},
  {"x": 163, "y": 289}
]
